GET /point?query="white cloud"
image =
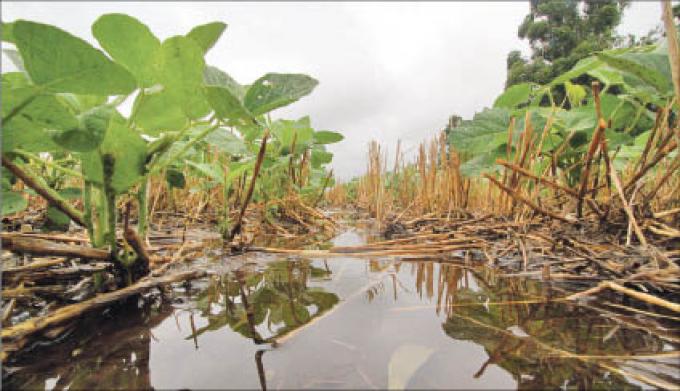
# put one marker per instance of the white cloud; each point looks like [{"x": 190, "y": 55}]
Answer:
[{"x": 387, "y": 70}]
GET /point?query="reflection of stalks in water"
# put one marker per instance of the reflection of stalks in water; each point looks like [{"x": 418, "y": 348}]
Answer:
[
  {"x": 584, "y": 358},
  {"x": 249, "y": 310},
  {"x": 260, "y": 369}
]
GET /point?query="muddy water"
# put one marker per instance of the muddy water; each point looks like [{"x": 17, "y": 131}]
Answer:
[{"x": 349, "y": 323}]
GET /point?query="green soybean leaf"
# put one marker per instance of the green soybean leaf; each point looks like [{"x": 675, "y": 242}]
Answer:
[
  {"x": 89, "y": 133},
  {"x": 61, "y": 62},
  {"x": 130, "y": 43},
  {"x": 81, "y": 103},
  {"x": 275, "y": 90},
  {"x": 583, "y": 66},
  {"x": 13, "y": 202},
  {"x": 206, "y": 35},
  {"x": 8, "y": 32},
  {"x": 56, "y": 219},
  {"x": 514, "y": 96},
  {"x": 226, "y": 142},
  {"x": 180, "y": 68},
  {"x": 487, "y": 130},
  {"x": 213, "y": 76},
  {"x": 327, "y": 137},
  {"x": 575, "y": 92},
  {"x": 320, "y": 157},
  {"x": 227, "y": 106},
  {"x": 126, "y": 149},
  {"x": 286, "y": 131},
  {"x": 211, "y": 170},
  {"x": 158, "y": 111},
  {"x": 28, "y": 129},
  {"x": 175, "y": 178},
  {"x": 640, "y": 70}
]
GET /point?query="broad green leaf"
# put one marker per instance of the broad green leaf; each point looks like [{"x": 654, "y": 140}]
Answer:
[
  {"x": 327, "y": 137},
  {"x": 286, "y": 131},
  {"x": 130, "y": 43},
  {"x": 514, "y": 96},
  {"x": 156, "y": 112},
  {"x": 175, "y": 178},
  {"x": 28, "y": 129},
  {"x": 226, "y": 142},
  {"x": 206, "y": 35},
  {"x": 607, "y": 75},
  {"x": 320, "y": 157},
  {"x": 275, "y": 90},
  {"x": 61, "y": 62},
  {"x": 8, "y": 32},
  {"x": 227, "y": 105},
  {"x": 638, "y": 66},
  {"x": 486, "y": 131},
  {"x": 180, "y": 68},
  {"x": 125, "y": 149},
  {"x": 211, "y": 170},
  {"x": 89, "y": 133},
  {"x": 12, "y": 202},
  {"x": 213, "y": 76},
  {"x": 81, "y": 103},
  {"x": 483, "y": 162},
  {"x": 576, "y": 93},
  {"x": 56, "y": 219},
  {"x": 585, "y": 65}
]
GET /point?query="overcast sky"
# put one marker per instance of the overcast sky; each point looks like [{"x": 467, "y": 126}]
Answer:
[{"x": 387, "y": 71}]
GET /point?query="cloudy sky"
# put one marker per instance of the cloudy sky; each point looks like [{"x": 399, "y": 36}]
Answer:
[{"x": 387, "y": 71}]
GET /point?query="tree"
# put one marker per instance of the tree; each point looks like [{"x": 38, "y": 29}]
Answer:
[{"x": 561, "y": 32}]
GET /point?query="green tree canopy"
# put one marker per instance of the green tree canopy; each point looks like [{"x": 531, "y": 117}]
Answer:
[{"x": 562, "y": 32}]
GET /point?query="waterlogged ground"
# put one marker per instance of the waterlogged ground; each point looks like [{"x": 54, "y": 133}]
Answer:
[{"x": 351, "y": 323}]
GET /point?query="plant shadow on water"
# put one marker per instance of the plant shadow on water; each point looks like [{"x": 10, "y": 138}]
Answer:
[{"x": 350, "y": 323}]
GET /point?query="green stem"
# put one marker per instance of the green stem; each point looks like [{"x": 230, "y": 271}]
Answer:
[
  {"x": 159, "y": 166},
  {"x": 87, "y": 216},
  {"x": 47, "y": 163},
  {"x": 142, "y": 204},
  {"x": 108, "y": 164}
]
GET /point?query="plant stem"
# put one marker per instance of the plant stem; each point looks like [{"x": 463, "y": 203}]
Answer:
[
  {"x": 143, "y": 205},
  {"x": 36, "y": 183},
  {"x": 260, "y": 157},
  {"x": 48, "y": 163}
]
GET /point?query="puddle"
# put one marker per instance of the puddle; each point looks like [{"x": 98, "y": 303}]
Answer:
[{"x": 350, "y": 323}]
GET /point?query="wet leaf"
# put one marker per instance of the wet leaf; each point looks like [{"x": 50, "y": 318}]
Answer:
[
  {"x": 130, "y": 43},
  {"x": 275, "y": 90},
  {"x": 61, "y": 62},
  {"x": 327, "y": 137},
  {"x": 206, "y": 35}
]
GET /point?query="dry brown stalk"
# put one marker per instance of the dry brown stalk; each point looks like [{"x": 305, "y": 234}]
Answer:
[
  {"x": 651, "y": 299},
  {"x": 18, "y": 334},
  {"x": 256, "y": 171},
  {"x": 626, "y": 207},
  {"x": 517, "y": 196},
  {"x": 542, "y": 180},
  {"x": 34, "y": 246},
  {"x": 594, "y": 144}
]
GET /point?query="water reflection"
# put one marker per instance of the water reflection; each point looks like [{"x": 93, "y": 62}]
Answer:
[{"x": 356, "y": 324}]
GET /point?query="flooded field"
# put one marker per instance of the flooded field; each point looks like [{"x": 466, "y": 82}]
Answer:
[{"x": 285, "y": 322}]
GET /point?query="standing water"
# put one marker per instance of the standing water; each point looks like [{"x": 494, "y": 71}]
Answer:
[{"x": 289, "y": 322}]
